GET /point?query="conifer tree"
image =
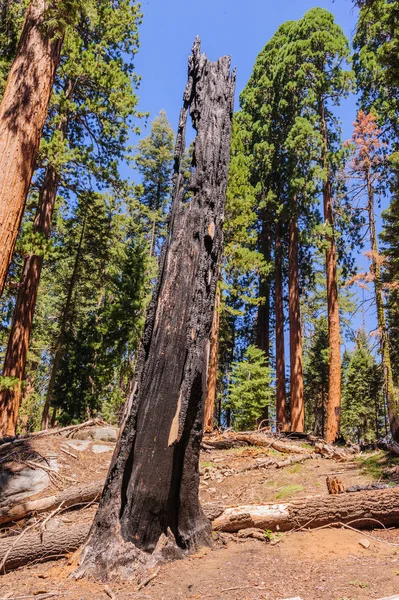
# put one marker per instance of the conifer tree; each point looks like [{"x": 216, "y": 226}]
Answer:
[
  {"x": 362, "y": 416},
  {"x": 249, "y": 388},
  {"x": 85, "y": 134},
  {"x": 23, "y": 112},
  {"x": 154, "y": 162},
  {"x": 367, "y": 168}
]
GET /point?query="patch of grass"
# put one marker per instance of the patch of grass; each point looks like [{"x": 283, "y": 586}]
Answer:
[
  {"x": 375, "y": 464},
  {"x": 208, "y": 465},
  {"x": 288, "y": 490},
  {"x": 295, "y": 468},
  {"x": 307, "y": 446}
]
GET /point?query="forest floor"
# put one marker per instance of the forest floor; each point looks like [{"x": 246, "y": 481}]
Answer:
[{"x": 328, "y": 564}]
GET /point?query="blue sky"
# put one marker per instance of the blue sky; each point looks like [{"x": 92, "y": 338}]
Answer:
[{"x": 225, "y": 27}]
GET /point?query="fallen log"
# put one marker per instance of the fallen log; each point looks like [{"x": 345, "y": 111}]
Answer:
[
  {"x": 258, "y": 439},
  {"x": 40, "y": 546},
  {"x": 79, "y": 494},
  {"x": 7, "y": 442},
  {"x": 362, "y": 510}
]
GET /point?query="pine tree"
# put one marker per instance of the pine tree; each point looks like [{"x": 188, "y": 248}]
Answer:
[
  {"x": 154, "y": 162},
  {"x": 362, "y": 416},
  {"x": 366, "y": 168},
  {"x": 249, "y": 388}
]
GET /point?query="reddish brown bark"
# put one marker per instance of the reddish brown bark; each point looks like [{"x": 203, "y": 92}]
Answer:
[
  {"x": 18, "y": 341},
  {"x": 296, "y": 372},
  {"x": 23, "y": 112},
  {"x": 209, "y": 418},
  {"x": 334, "y": 336},
  {"x": 281, "y": 397}
]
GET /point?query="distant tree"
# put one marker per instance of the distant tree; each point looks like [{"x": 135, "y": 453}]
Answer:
[
  {"x": 249, "y": 388},
  {"x": 362, "y": 406},
  {"x": 366, "y": 168},
  {"x": 316, "y": 372},
  {"x": 154, "y": 162}
]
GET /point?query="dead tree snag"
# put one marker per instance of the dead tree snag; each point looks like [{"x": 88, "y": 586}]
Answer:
[{"x": 150, "y": 508}]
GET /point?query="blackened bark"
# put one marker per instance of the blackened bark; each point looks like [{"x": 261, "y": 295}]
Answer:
[{"x": 150, "y": 507}]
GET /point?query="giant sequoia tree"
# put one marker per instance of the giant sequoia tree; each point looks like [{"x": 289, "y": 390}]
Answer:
[
  {"x": 150, "y": 501},
  {"x": 23, "y": 112}
]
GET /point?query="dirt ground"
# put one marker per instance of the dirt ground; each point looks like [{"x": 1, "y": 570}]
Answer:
[{"x": 328, "y": 564}]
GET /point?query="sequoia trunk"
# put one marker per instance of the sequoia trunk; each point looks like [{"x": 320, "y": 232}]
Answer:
[
  {"x": 21, "y": 327},
  {"x": 23, "y": 112},
  {"x": 209, "y": 419},
  {"x": 281, "y": 399},
  {"x": 296, "y": 374},
  {"x": 334, "y": 335},
  {"x": 150, "y": 504}
]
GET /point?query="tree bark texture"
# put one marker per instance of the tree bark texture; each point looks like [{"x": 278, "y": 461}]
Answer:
[
  {"x": 389, "y": 388},
  {"x": 263, "y": 320},
  {"x": 23, "y": 112},
  {"x": 334, "y": 334},
  {"x": 281, "y": 397},
  {"x": 296, "y": 371},
  {"x": 209, "y": 419},
  {"x": 40, "y": 546},
  {"x": 150, "y": 508},
  {"x": 21, "y": 327},
  {"x": 362, "y": 510}
]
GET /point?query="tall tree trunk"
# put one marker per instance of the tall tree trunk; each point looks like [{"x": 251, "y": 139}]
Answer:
[
  {"x": 263, "y": 321},
  {"x": 59, "y": 349},
  {"x": 209, "y": 419},
  {"x": 23, "y": 112},
  {"x": 389, "y": 389},
  {"x": 281, "y": 397},
  {"x": 18, "y": 342},
  {"x": 21, "y": 327},
  {"x": 334, "y": 335},
  {"x": 296, "y": 372},
  {"x": 150, "y": 505}
]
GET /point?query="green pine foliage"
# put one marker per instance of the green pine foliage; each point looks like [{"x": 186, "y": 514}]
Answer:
[
  {"x": 362, "y": 417},
  {"x": 249, "y": 389}
]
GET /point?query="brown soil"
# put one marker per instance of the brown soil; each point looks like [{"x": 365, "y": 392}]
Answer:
[{"x": 328, "y": 564}]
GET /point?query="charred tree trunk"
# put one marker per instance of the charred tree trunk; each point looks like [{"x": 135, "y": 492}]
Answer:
[
  {"x": 281, "y": 397},
  {"x": 296, "y": 374},
  {"x": 334, "y": 335},
  {"x": 150, "y": 507},
  {"x": 209, "y": 419},
  {"x": 23, "y": 112}
]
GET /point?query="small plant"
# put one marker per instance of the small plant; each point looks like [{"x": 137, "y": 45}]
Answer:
[
  {"x": 208, "y": 465},
  {"x": 288, "y": 490},
  {"x": 359, "y": 584}
]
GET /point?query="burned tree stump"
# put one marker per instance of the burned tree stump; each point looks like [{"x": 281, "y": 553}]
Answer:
[{"x": 150, "y": 510}]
